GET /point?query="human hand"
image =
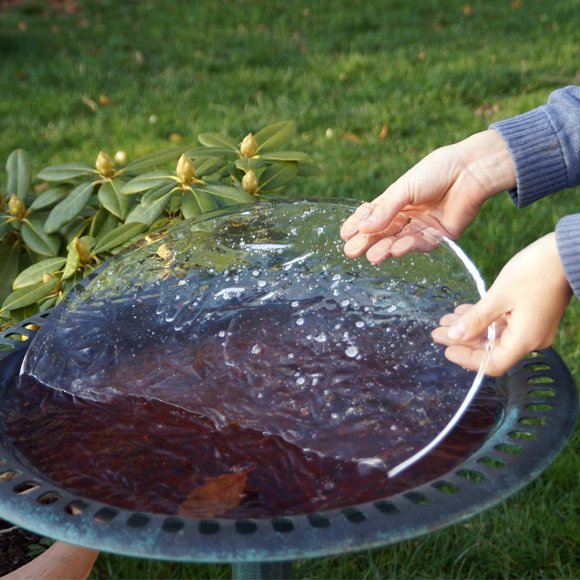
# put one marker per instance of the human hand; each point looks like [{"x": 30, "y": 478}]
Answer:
[
  {"x": 526, "y": 302},
  {"x": 445, "y": 191}
]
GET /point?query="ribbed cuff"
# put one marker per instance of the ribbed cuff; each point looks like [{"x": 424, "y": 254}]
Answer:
[
  {"x": 537, "y": 155},
  {"x": 568, "y": 240}
]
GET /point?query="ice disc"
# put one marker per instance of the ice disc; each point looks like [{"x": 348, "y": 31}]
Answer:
[{"x": 254, "y": 317}]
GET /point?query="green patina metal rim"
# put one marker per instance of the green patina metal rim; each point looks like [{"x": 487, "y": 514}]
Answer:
[{"x": 541, "y": 393}]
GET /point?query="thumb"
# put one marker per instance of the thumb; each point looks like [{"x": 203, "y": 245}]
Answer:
[{"x": 475, "y": 321}]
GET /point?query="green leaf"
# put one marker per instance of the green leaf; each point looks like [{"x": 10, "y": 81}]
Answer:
[
  {"x": 66, "y": 171},
  {"x": 74, "y": 229},
  {"x": 308, "y": 169},
  {"x": 286, "y": 156},
  {"x": 175, "y": 202},
  {"x": 98, "y": 222},
  {"x": 157, "y": 193},
  {"x": 196, "y": 202},
  {"x": 35, "y": 273},
  {"x": 119, "y": 236},
  {"x": 278, "y": 174},
  {"x": 236, "y": 173},
  {"x": 72, "y": 282},
  {"x": 207, "y": 165},
  {"x": 29, "y": 295},
  {"x": 88, "y": 241},
  {"x": 48, "y": 303},
  {"x": 9, "y": 258},
  {"x": 198, "y": 152},
  {"x": 72, "y": 263},
  {"x": 51, "y": 196},
  {"x": 148, "y": 214},
  {"x": 218, "y": 140},
  {"x": 37, "y": 240},
  {"x": 110, "y": 224},
  {"x": 68, "y": 208},
  {"x": 245, "y": 164},
  {"x": 157, "y": 158},
  {"x": 228, "y": 195},
  {"x": 275, "y": 136},
  {"x": 19, "y": 169},
  {"x": 112, "y": 199},
  {"x": 21, "y": 314},
  {"x": 146, "y": 181}
]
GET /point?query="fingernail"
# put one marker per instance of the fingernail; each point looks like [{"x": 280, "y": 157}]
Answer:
[
  {"x": 456, "y": 332},
  {"x": 365, "y": 213},
  {"x": 355, "y": 243},
  {"x": 369, "y": 220},
  {"x": 404, "y": 244}
]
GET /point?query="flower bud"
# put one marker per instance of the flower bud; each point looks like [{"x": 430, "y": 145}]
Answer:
[
  {"x": 250, "y": 182},
  {"x": 248, "y": 147},
  {"x": 105, "y": 165},
  {"x": 16, "y": 206},
  {"x": 48, "y": 277},
  {"x": 185, "y": 170},
  {"x": 82, "y": 250}
]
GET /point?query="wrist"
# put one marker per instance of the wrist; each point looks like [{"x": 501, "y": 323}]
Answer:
[{"x": 485, "y": 156}]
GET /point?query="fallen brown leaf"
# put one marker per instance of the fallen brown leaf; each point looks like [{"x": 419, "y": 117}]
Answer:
[
  {"x": 384, "y": 132},
  {"x": 352, "y": 137},
  {"x": 176, "y": 137},
  {"x": 217, "y": 496},
  {"x": 104, "y": 100},
  {"x": 90, "y": 103}
]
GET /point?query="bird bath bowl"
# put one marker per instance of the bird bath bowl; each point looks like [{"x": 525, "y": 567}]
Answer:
[{"x": 235, "y": 390}]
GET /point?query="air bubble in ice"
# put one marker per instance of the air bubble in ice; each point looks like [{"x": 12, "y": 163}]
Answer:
[
  {"x": 256, "y": 349},
  {"x": 345, "y": 303},
  {"x": 321, "y": 337},
  {"x": 351, "y": 352},
  {"x": 300, "y": 322}
]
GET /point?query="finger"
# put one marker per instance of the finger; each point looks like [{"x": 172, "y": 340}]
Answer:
[
  {"x": 463, "y": 308},
  {"x": 476, "y": 320},
  {"x": 380, "y": 251},
  {"x": 360, "y": 243},
  {"x": 467, "y": 357},
  {"x": 440, "y": 336},
  {"x": 350, "y": 227},
  {"x": 413, "y": 243},
  {"x": 387, "y": 206}
]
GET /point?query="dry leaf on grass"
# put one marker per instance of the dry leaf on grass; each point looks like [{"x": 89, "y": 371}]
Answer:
[{"x": 352, "y": 137}]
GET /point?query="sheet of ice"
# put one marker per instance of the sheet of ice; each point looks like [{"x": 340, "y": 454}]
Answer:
[{"x": 255, "y": 317}]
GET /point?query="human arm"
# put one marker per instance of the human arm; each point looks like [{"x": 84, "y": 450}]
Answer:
[{"x": 526, "y": 302}]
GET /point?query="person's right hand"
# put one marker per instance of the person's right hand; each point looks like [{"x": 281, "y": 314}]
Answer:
[{"x": 445, "y": 191}]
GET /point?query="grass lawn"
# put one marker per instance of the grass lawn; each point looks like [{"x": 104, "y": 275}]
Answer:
[{"x": 80, "y": 76}]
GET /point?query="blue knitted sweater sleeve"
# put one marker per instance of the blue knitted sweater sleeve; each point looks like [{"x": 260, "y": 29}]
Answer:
[{"x": 545, "y": 147}]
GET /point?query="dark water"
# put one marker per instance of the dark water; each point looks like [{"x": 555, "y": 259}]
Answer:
[{"x": 143, "y": 454}]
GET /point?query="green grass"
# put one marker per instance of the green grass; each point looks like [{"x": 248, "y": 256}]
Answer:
[{"x": 422, "y": 67}]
